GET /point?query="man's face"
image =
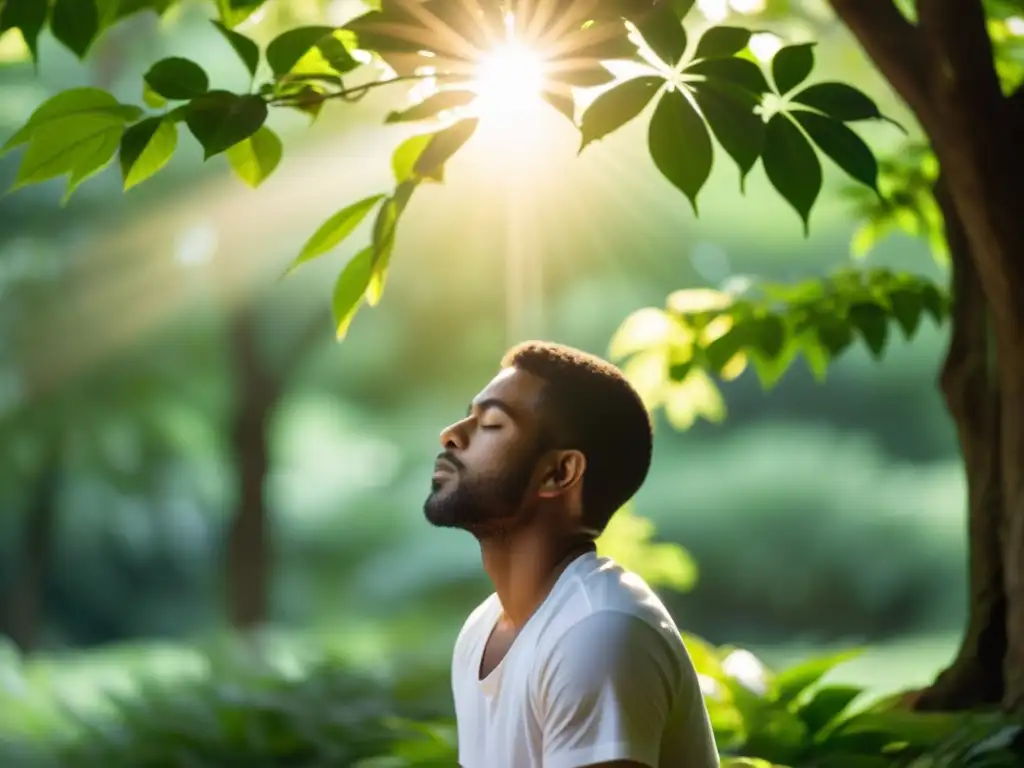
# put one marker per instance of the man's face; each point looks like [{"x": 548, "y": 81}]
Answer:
[{"x": 485, "y": 472}]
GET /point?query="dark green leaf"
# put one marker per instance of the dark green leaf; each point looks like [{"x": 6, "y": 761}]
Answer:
[
  {"x": 872, "y": 322},
  {"x": 680, "y": 145},
  {"x": 663, "y": 33},
  {"x": 350, "y": 288},
  {"x": 895, "y": 726},
  {"x": 791, "y": 65},
  {"x": 738, "y": 128},
  {"x": 681, "y": 7},
  {"x": 935, "y": 303},
  {"x": 721, "y": 42},
  {"x": 790, "y": 683},
  {"x": 333, "y": 231},
  {"x": 248, "y": 51},
  {"x": 680, "y": 369},
  {"x": 234, "y": 12},
  {"x": 732, "y": 71},
  {"x": 405, "y": 157},
  {"x": 76, "y": 102},
  {"x": 616, "y": 106},
  {"x": 286, "y": 49},
  {"x": 443, "y": 147},
  {"x": 433, "y": 105},
  {"x": 177, "y": 78},
  {"x": 254, "y": 159},
  {"x": 219, "y": 119},
  {"x": 792, "y": 166},
  {"x": 844, "y": 147},
  {"x": 827, "y": 704},
  {"x": 336, "y": 53},
  {"x": 29, "y": 16},
  {"x": 768, "y": 335},
  {"x": 834, "y": 335},
  {"x": 907, "y": 306},
  {"x": 146, "y": 147},
  {"x": 838, "y": 100},
  {"x": 75, "y": 23}
]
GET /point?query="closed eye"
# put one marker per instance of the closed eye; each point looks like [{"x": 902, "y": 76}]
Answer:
[{"x": 490, "y": 426}]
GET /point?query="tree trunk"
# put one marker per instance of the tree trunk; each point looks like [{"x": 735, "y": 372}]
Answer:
[
  {"x": 26, "y": 598},
  {"x": 248, "y": 550},
  {"x": 975, "y": 678}
]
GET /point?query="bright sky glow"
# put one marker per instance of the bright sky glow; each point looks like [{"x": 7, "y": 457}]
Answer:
[{"x": 509, "y": 80}]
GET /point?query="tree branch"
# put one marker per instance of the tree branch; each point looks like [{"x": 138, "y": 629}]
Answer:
[{"x": 893, "y": 44}]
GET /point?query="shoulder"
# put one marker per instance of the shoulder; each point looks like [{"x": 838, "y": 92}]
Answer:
[{"x": 480, "y": 621}]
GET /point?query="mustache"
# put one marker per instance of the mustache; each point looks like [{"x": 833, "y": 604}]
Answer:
[{"x": 450, "y": 458}]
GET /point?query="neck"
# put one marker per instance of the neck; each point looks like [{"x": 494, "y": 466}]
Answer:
[{"x": 525, "y": 565}]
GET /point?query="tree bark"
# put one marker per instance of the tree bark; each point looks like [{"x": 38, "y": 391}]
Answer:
[
  {"x": 26, "y": 599},
  {"x": 975, "y": 678}
]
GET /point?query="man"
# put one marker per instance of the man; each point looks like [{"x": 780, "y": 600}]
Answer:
[{"x": 573, "y": 661}]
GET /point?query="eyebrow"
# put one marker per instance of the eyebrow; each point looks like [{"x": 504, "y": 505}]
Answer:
[{"x": 491, "y": 402}]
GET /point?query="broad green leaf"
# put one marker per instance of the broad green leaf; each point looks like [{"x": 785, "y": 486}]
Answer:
[
  {"x": 792, "y": 166},
  {"x": 28, "y": 16},
  {"x": 146, "y": 148},
  {"x": 896, "y": 726},
  {"x": 720, "y": 42},
  {"x": 844, "y": 147},
  {"x": 248, "y": 51},
  {"x": 663, "y": 32},
  {"x": 838, "y": 100},
  {"x": 791, "y": 65},
  {"x": 177, "y": 78},
  {"x": 907, "y": 307},
  {"x": 834, "y": 336},
  {"x": 443, "y": 147},
  {"x": 585, "y": 75},
  {"x": 682, "y": 7},
  {"x": 383, "y": 246},
  {"x": 768, "y": 336},
  {"x": 738, "y": 128},
  {"x": 827, "y": 704},
  {"x": 680, "y": 145},
  {"x": 350, "y": 289},
  {"x": 75, "y": 102},
  {"x": 219, "y": 119},
  {"x": 616, "y": 106},
  {"x": 75, "y": 23},
  {"x": 77, "y": 145},
  {"x": 872, "y": 322},
  {"x": 790, "y": 683},
  {"x": 286, "y": 49},
  {"x": 405, "y": 157},
  {"x": 333, "y": 231},
  {"x": 254, "y": 159},
  {"x": 433, "y": 105},
  {"x": 151, "y": 98},
  {"x": 732, "y": 71},
  {"x": 336, "y": 53},
  {"x": 234, "y": 12},
  {"x": 565, "y": 105}
]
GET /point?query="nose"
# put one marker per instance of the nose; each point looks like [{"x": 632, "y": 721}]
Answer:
[{"x": 452, "y": 437}]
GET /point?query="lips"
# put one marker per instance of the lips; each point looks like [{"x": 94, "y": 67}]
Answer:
[{"x": 444, "y": 467}]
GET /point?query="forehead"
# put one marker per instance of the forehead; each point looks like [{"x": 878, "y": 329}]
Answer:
[{"x": 519, "y": 389}]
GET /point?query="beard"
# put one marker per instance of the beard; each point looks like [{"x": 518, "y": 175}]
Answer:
[{"x": 481, "y": 503}]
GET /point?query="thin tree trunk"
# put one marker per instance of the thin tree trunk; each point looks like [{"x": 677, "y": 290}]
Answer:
[
  {"x": 976, "y": 676},
  {"x": 26, "y": 598}
]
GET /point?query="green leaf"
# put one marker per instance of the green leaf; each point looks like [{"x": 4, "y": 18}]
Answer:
[
  {"x": 383, "y": 246},
  {"x": 405, "y": 157},
  {"x": 663, "y": 32},
  {"x": 872, "y": 322},
  {"x": 792, "y": 166},
  {"x": 826, "y": 705},
  {"x": 792, "y": 682},
  {"x": 177, "y": 78},
  {"x": 617, "y": 106},
  {"x": 75, "y": 23},
  {"x": 738, "y": 128},
  {"x": 768, "y": 336},
  {"x": 680, "y": 145},
  {"x": 350, "y": 289},
  {"x": 907, "y": 307},
  {"x": 28, "y": 16},
  {"x": 838, "y": 100},
  {"x": 586, "y": 74},
  {"x": 333, "y": 231},
  {"x": 234, "y": 12},
  {"x": 75, "y": 102},
  {"x": 219, "y": 119},
  {"x": 732, "y": 71},
  {"x": 336, "y": 53},
  {"x": 248, "y": 51},
  {"x": 720, "y": 42},
  {"x": 844, "y": 147},
  {"x": 146, "y": 148},
  {"x": 433, "y": 105},
  {"x": 77, "y": 145},
  {"x": 151, "y": 98},
  {"x": 791, "y": 65},
  {"x": 834, "y": 335},
  {"x": 286, "y": 49},
  {"x": 443, "y": 147},
  {"x": 565, "y": 105},
  {"x": 257, "y": 157}
]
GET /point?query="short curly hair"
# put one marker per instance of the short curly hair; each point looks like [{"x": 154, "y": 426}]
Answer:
[{"x": 591, "y": 407}]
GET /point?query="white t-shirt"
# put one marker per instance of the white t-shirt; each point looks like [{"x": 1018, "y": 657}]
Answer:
[{"x": 598, "y": 673}]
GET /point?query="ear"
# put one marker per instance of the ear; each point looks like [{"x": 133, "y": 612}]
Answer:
[{"x": 564, "y": 471}]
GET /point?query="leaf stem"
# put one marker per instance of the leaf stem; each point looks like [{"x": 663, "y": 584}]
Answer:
[{"x": 359, "y": 91}]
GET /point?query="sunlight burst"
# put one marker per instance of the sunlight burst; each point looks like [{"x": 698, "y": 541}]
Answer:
[{"x": 509, "y": 81}]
